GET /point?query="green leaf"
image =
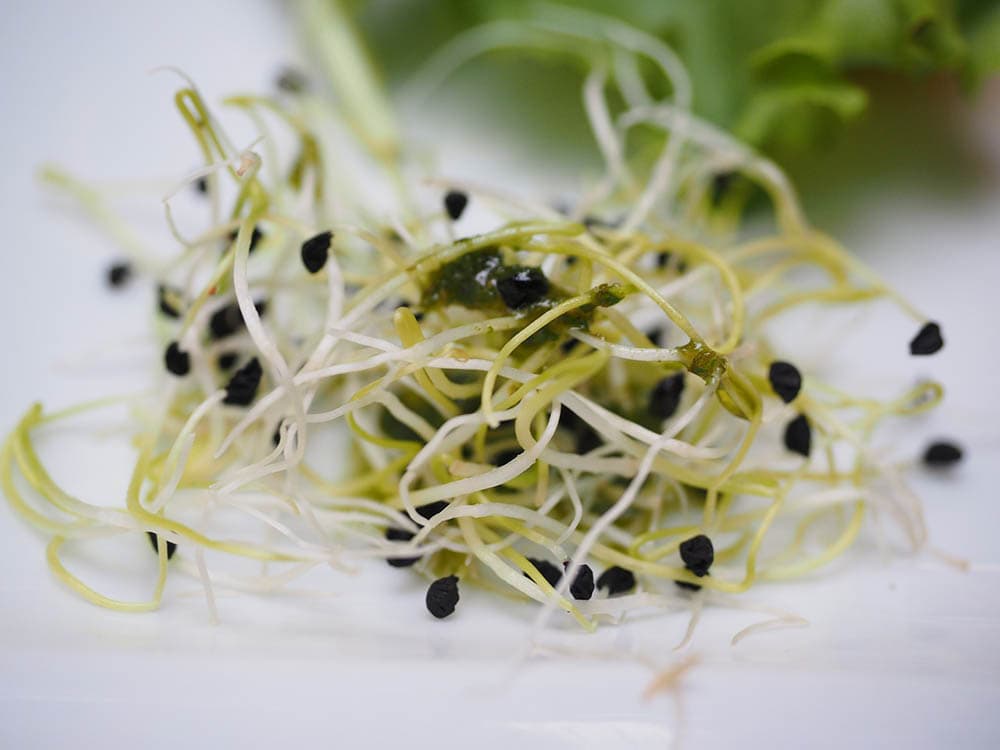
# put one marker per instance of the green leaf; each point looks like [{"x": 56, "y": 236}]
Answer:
[{"x": 781, "y": 73}]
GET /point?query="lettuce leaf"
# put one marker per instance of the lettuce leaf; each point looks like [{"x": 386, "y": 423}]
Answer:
[{"x": 778, "y": 73}]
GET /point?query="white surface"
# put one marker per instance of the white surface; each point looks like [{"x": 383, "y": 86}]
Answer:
[{"x": 900, "y": 653}]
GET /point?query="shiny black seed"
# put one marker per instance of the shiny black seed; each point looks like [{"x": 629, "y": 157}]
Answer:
[
  {"x": 165, "y": 296},
  {"x": 154, "y": 539},
  {"x": 550, "y": 572},
  {"x": 225, "y": 321},
  {"x": 292, "y": 81},
  {"x": 315, "y": 251},
  {"x": 666, "y": 396},
  {"x": 227, "y": 360},
  {"x": 243, "y": 385},
  {"x": 455, "y": 202},
  {"x": 663, "y": 260},
  {"x": 505, "y": 457},
  {"x": 583, "y": 584},
  {"x": 255, "y": 236},
  {"x": 561, "y": 206},
  {"x": 798, "y": 435},
  {"x": 616, "y": 580},
  {"x": 921, "y": 30},
  {"x": 119, "y": 274},
  {"x": 585, "y": 436},
  {"x": 942, "y": 453},
  {"x": 400, "y": 535},
  {"x": 429, "y": 510},
  {"x": 228, "y": 320},
  {"x": 786, "y": 380},
  {"x": 927, "y": 341},
  {"x": 698, "y": 554},
  {"x": 442, "y": 596},
  {"x": 595, "y": 222},
  {"x": 656, "y": 336},
  {"x": 524, "y": 287},
  {"x": 688, "y": 586},
  {"x": 721, "y": 183},
  {"x": 201, "y": 185},
  {"x": 178, "y": 362}
]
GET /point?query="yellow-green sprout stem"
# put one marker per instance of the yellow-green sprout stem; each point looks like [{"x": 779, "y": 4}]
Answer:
[
  {"x": 535, "y": 427},
  {"x": 336, "y": 43},
  {"x": 94, "y": 597},
  {"x": 96, "y": 206}
]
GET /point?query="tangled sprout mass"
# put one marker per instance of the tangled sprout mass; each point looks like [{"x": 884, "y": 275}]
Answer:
[{"x": 570, "y": 394}]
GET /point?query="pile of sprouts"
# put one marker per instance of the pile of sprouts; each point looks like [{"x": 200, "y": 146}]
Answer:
[{"x": 577, "y": 392}]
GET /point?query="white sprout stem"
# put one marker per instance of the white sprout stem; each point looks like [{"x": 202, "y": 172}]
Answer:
[
  {"x": 265, "y": 345},
  {"x": 208, "y": 170},
  {"x": 413, "y": 354},
  {"x": 600, "y": 122},
  {"x": 621, "y": 605},
  {"x": 493, "y": 478},
  {"x": 176, "y": 460},
  {"x": 658, "y": 187},
  {"x": 780, "y": 622},
  {"x": 487, "y": 510},
  {"x": 630, "y": 81},
  {"x": 697, "y": 605},
  {"x": 453, "y": 432},
  {"x": 206, "y": 581},
  {"x": 634, "y": 353},
  {"x": 773, "y": 179},
  {"x": 564, "y": 20},
  {"x": 257, "y": 584},
  {"x": 622, "y": 504},
  {"x": 574, "y": 496}
]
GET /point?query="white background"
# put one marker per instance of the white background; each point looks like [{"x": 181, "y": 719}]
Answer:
[{"x": 900, "y": 652}]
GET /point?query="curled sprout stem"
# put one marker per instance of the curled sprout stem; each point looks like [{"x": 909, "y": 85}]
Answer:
[{"x": 620, "y": 411}]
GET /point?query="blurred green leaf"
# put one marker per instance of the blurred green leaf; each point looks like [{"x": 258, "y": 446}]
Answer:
[{"x": 780, "y": 73}]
